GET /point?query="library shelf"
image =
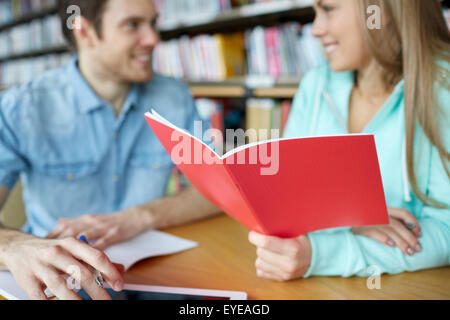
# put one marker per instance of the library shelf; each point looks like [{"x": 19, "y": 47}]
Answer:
[
  {"x": 238, "y": 19},
  {"x": 282, "y": 88},
  {"x": 37, "y": 53},
  {"x": 28, "y": 18}
]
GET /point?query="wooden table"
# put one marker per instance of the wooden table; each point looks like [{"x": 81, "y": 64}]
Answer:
[{"x": 224, "y": 260}]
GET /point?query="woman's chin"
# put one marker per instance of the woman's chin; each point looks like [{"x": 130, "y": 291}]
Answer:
[{"x": 337, "y": 66}]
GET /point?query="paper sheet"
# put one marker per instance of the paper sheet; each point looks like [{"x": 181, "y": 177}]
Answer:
[{"x": 148, "y": 244}]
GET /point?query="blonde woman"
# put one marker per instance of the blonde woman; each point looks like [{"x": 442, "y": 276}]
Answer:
[{"x": 393, "y": 82}]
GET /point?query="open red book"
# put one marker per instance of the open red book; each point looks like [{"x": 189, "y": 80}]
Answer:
[{"x": 300, "y": 185}]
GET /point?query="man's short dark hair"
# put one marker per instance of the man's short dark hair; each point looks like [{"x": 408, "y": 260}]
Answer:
[{"x": 91, "y": 10}]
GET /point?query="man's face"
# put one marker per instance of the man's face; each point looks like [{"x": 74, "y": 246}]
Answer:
[{"x": 128, "y": 38}]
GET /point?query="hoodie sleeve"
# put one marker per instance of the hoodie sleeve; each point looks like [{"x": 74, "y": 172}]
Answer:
[{"x": 345, "y": 254}]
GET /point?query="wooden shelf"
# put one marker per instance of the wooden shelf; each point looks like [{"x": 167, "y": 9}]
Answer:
[
  {"x": 283, "y": 88},
  {"x": 238, "y": 19},
  {"x": 276, "y": 92},
  {"x": 217, "y": 91},
  {"x": 260, "y": 14},
  {"x": 28, "y": 18},
  {"x": 33, "y": 54}
]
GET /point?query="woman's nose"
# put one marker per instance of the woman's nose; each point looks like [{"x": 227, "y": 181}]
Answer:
[{"x": 319, "y": 28}]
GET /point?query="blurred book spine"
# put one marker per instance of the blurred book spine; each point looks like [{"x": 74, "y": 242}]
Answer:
[
  {"x": 267, "y": 117},
  {"x": 39, "y": 34},
  {"x": 286, "y": 50},
  {"x": 11, "y": 10}
]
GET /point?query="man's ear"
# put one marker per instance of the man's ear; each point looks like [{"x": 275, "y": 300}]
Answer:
[{"x": 84, "y": 33}]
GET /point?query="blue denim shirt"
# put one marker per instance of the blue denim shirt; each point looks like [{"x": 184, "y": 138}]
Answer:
[{"x": 74, "y": 156}]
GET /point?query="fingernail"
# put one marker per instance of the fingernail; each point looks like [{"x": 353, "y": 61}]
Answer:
[
  {"x": 409, "y": 251},
  {"x": 418, "y": 248},
  {"x": 118, "y": 286},
  {"x": 390, "y": 243}
]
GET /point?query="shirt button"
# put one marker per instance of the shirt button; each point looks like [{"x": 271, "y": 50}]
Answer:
[
  {"x": 69, "y": 176},
  {"x": 116, "y": 178}
]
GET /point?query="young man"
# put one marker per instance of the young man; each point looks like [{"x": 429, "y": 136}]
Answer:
[{"x": 89, "y": 163}]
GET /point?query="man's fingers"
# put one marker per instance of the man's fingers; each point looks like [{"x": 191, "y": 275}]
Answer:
[
  {"x": 33, "y": 287},
  {"x": 111, "y": 237},
  {"x": 55, "y": 233},
  {"x": 120, "y": 268},
  {"x": 56, "y": 283},
  {"x": 81, "y": 273},
  {"x": 92, "y": 234},
  {"x": 96, "y": 259}
]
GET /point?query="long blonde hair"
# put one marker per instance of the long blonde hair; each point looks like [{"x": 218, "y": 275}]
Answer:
[{"x": 412, "y": 39}]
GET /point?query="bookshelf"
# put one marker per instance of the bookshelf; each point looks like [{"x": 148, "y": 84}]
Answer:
[
  {"x": 28, "y": 18},
  {"x": 237, "y": 19},
  {"x": 245, "y": 87}
]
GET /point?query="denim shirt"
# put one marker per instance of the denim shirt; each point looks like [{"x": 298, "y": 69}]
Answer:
[{"x": 74, "y": 156}]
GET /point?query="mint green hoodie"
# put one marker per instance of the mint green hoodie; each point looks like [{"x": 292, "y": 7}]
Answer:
[{"x": 321, "y": 108}]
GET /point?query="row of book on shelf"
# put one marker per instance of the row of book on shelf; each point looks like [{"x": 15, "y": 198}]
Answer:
[
  {"x": 23, "y": 70},
  {"x": 176, "y": 12},
  {"x": 11, "y": 10},
  {"x": 34, "y": 36},
  {"x": 285, "y": 50}
]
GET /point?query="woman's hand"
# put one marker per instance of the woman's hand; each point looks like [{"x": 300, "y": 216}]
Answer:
[
  {"x": 37, "y": 264},
  {"x": 102, "y": 230},
  {"x": 403, "y": 231},
  {"x": 281, "y": 259}
]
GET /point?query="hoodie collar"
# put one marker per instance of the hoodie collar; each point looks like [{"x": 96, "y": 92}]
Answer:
[{"x": 337, "y": 92}]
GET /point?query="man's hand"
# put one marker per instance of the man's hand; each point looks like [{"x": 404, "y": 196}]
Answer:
[
  {"x": 281, "y": 259},
  {"x": 106, "y": 229},
  {"x": 37, "y": 264},
  {"x": 403, "y": 231}
]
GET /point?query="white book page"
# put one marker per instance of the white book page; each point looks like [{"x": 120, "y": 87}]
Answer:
[{"x": 157, "y": 117}]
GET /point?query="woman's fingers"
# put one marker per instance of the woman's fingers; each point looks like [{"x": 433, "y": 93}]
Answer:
[
  {"x": 270, "y": 270},
  {"x": 375, "y": 234},
  {"x": 408, "y": 219},
  {"x": 399, "y": 241},
  {"x": 289, "y": 247},
  {"x": 412, "y": 242}
]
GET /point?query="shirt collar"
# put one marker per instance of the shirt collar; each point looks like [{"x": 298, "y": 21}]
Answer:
[
  {"x": 87, "y": 99},
  {"x": 84, "y": 94}
]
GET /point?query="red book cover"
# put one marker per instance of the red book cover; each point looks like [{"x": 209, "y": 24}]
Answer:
[{"x": 309, "y": 183}]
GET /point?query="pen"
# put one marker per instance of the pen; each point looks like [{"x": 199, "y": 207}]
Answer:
[{"x": 98, "y": 276}]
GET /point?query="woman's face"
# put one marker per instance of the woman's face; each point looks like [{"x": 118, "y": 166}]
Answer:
[{"x": 338, "y": 26}]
